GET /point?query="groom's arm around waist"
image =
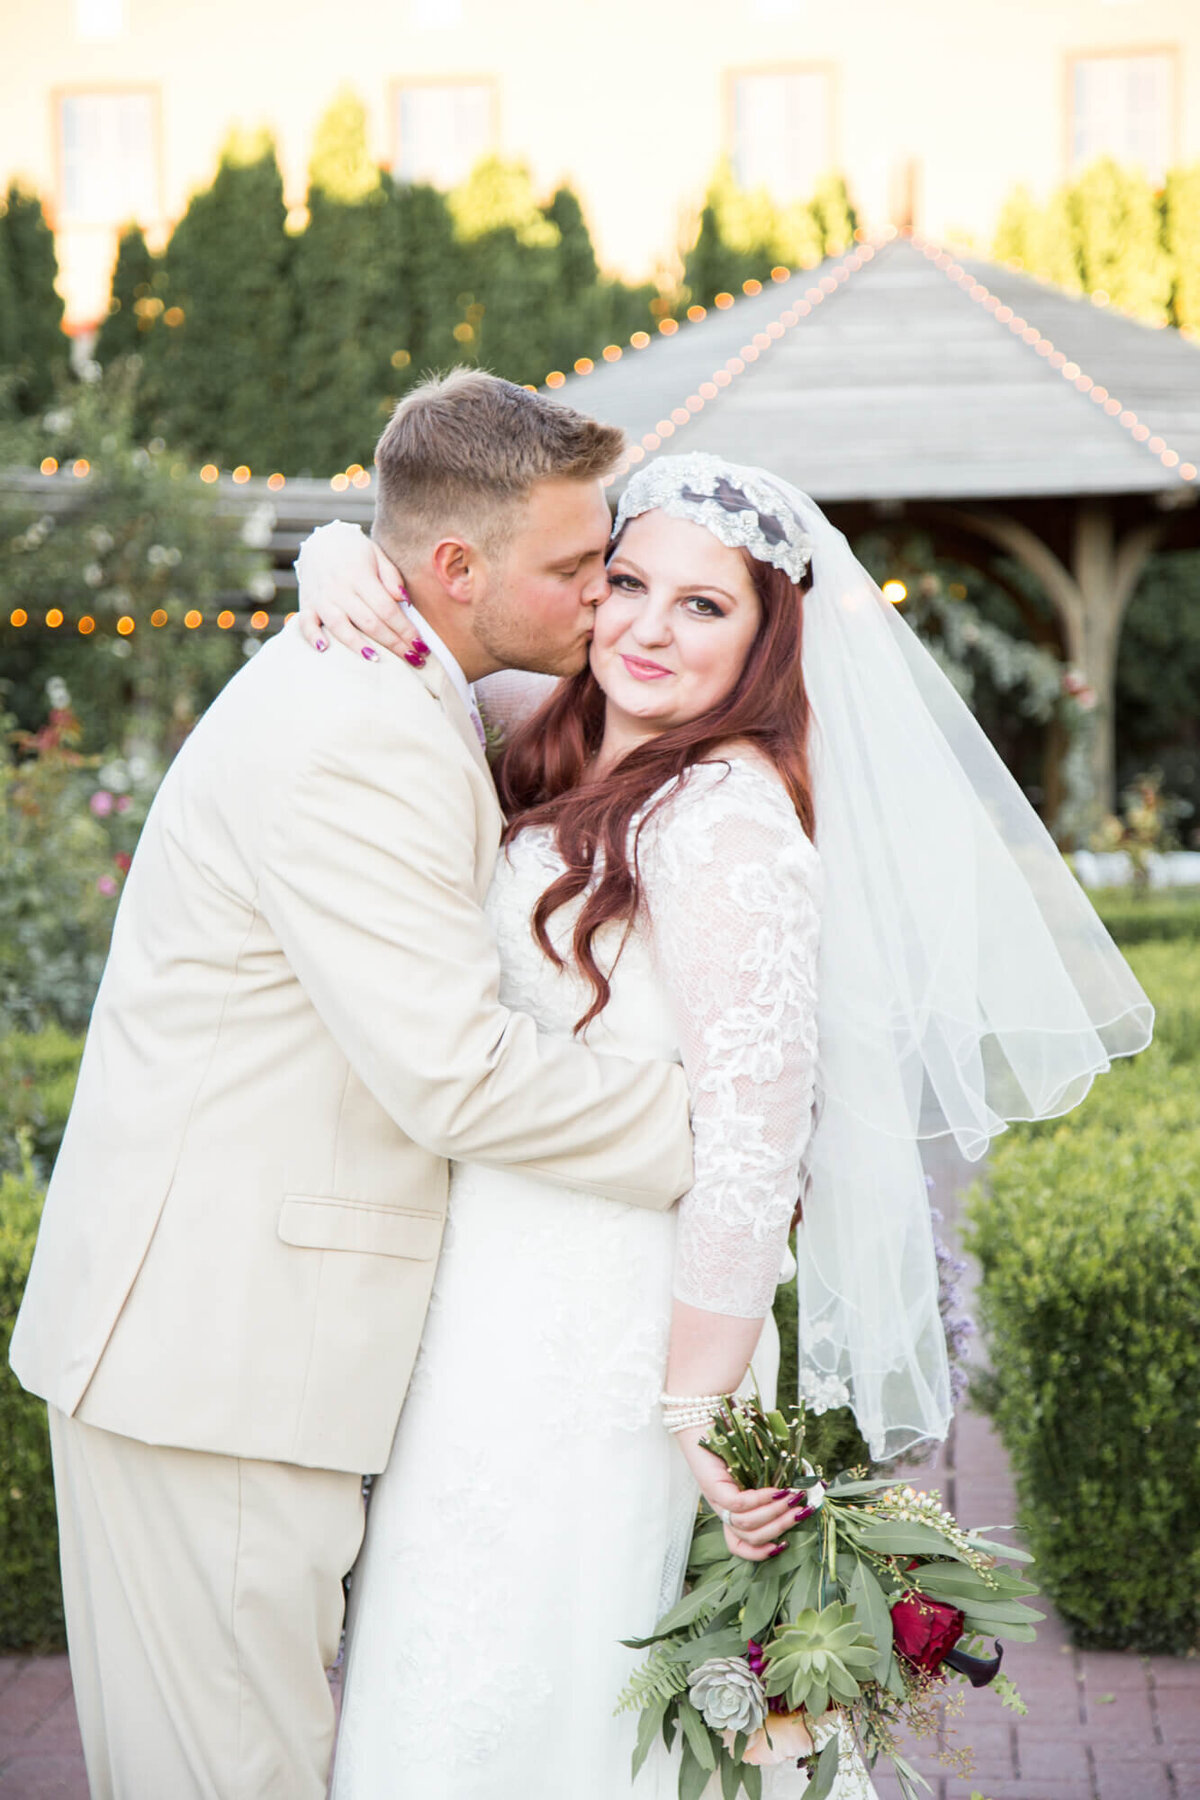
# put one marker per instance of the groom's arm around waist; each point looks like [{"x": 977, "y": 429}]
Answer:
[{"x": 369, "y": 881}]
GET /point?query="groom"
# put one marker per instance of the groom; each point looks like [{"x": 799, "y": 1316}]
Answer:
[{"x": 298, "y": 1027}]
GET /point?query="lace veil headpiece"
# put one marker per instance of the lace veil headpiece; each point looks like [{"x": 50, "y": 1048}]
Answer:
[{"x": 964, "y": 978}]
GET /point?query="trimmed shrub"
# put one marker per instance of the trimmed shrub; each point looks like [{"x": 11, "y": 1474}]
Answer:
[
  {"x": 37, "y": 1084},
  {"x": 1166, "y": 915},
  {"x": 31, "y": 1609},
  {"x": 1089, "y": 1241},
  {"x": 31, "y": 309}
]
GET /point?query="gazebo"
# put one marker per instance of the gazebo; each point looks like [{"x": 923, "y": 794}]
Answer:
[{"x": 998, "y": 415}]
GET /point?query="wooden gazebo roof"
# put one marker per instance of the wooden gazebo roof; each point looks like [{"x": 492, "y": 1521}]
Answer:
[{"x": 899, "y": 374}]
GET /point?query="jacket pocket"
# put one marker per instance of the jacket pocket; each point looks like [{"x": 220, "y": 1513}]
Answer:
[{"x": 313, "y": 1222}]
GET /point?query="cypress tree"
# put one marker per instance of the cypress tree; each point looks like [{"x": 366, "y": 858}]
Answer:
[
  {"x": 343, "y": 303},
  {"x": 9, "y": 325},
  {"x": 834, "y": 215},
  {"x": 426, "y": 273},
  {"x": 226, "y": 361},
  {"x": 38, "y": 345},
  {"x": 1181, "y": 238},
  {"x": 124, "y": 331},
  {"x": 579, "y": 323},
  {"x": 512, "y": 265},
  {"x": 1118, "y": 238},
  {"x": 1055, "y": 245},
  {"x": 1016, "y": 229}
]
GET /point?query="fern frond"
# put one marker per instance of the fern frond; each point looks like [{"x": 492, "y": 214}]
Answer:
[{"x": 656, "y": 1682}]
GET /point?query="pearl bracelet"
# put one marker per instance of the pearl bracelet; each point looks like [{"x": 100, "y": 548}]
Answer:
[{"x": 684, "y": 1412}]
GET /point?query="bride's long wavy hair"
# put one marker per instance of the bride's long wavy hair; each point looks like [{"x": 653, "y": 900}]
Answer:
[{"x": 540, "y": 774}]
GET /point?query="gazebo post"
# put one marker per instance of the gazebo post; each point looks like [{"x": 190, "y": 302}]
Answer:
[
  {"x": 1106, "y": 571},
  {"x": 1090, "y": 599}
]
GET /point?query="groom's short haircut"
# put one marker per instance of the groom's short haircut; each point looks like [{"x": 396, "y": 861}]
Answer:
[{"x": 461, "y": 452}]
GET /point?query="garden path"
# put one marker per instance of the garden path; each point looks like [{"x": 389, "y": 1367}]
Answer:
[{"x": 1099, "y": 1727}]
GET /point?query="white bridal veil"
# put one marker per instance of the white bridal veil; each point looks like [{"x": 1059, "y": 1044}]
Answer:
[{"x": 964, "y": 978}]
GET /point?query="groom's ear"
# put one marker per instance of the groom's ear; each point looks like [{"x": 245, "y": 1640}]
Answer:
[{"x": 458, "y": 569}]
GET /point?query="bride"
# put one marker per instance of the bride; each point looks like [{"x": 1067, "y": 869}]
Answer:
[{"x": 932, "y": 969}]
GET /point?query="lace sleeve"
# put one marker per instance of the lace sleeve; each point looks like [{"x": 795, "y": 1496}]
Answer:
[
  {"x": 507, "y": 699},
  {"x": 732, "y": 886}
]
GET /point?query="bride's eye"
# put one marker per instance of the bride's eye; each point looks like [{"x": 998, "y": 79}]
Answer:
[
  {"x": 627, "y": 583},
  {"x": 707, "y": 609}
]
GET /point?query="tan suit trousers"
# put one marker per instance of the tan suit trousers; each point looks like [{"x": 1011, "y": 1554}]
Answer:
[{"x": 204, "y": 1603}]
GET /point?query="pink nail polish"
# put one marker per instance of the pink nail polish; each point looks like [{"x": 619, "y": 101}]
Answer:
[
  {"x": 413, "y": 660},
  {"x": 421, "y": 647},
  {"x": 778, "y": 1549},
  {"x": 370, "y": 653},
  {"x": 320, "y": 644},
  {"x": 805, "y": 1512}
]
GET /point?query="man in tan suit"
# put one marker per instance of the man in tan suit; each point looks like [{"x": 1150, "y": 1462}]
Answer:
[{"x": 297, "y": 1028}]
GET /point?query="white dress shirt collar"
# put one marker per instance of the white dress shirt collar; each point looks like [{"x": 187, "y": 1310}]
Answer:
[{"x": 452, "y": 666}]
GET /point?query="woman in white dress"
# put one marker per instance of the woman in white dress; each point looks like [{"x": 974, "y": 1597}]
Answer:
[{"x": 662, "y": 895}]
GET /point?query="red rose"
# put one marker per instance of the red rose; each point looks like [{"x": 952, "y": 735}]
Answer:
[
  {"x": 123, "y": 861},
  {"x": 925, "y": 1630}
]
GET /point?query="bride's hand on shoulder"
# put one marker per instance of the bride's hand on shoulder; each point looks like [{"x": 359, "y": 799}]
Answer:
[
  {"x": 350, "y": 592},
  {"x": 758, "y": 1521}
]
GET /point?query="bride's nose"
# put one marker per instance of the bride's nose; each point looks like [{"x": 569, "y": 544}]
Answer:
[{"x": 652, "y": 624}]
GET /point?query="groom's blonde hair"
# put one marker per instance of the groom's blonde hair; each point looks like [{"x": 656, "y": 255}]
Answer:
[{"x": 463, "y": 451}]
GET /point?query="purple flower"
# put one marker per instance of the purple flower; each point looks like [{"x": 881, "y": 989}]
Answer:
[
  {"x": 106, "y": 886},
  {"x": 124, "y": 803},
  {"x": 101, "y": 803}
]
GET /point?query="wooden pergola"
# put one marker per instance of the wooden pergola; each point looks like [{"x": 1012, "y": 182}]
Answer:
[{"x": 1001, "y": 417}]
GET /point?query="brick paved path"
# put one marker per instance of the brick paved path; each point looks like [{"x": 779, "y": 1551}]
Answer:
[{"x": 1100, "y": 1727}]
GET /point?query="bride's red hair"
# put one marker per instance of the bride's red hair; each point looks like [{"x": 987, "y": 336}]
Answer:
[{"x": 539, "y": 776}]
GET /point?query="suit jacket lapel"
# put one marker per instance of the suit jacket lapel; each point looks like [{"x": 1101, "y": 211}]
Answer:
[{"x": 434, "y": 677}]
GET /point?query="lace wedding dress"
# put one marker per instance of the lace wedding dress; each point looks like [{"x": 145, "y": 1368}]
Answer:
[{"x": 534, "y": 1511}]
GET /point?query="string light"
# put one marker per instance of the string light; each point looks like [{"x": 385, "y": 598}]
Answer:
[
  {"x": 276, "y": 481},
  {"x": 1070, "y": 371},
  {"x": 209, "y": 472},
  {"x": 895, "y": 591},
  {"x": 54, "y": 618},
  {"x": 49, "y": 465},
  {"x": 125, "y": 625},
  {"x": 81, "y": 467},
  {"x": 241, "y": 473},
  {"x": 736, "y": 365},
  {"x": 158, "y": 617},
  {"x": 193, "y": 619},
  {"x": 18, "y": 617},
  {"x": 87, "y": 625}
]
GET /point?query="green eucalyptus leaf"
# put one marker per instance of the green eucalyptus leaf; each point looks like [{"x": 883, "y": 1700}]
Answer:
[
  {"x": 826, "y": 1772},
  {"x": 697, "y": 1734}
]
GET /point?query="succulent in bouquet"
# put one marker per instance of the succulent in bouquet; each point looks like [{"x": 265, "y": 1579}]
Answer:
[{"x": 879, "y": 1604}]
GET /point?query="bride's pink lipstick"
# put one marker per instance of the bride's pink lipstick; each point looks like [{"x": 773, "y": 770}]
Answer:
[{"x": 644, "y": 671}]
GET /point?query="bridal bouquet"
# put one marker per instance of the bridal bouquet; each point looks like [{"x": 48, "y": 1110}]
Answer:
[{"x": 850, "y": 1634}]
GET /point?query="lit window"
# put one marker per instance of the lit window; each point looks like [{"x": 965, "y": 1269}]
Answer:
[
  {"x": 99, "y": 20},
  {"x": 109, "y": 158},
  {"x": 1122, "y": 107},
  {"x": 442, "y": 130},
  {"x": 781, "y": 131}
]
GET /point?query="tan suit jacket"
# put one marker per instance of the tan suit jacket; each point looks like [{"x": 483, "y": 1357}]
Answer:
[{"x": 298, "y": 1026}]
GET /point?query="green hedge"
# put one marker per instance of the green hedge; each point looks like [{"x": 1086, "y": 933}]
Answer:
[
  {"x": 31, "y": 1610},
  {"x": 1089, "y": 1241},
  {"x": 1167, "y": 914}
]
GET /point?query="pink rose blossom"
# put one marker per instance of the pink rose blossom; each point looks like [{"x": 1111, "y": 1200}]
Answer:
[
  {"x": 106, "y": 886},
  {"x": 101, "y": 803}
]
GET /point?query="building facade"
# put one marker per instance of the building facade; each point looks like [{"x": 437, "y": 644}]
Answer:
[{"x": 116, "y": 109}]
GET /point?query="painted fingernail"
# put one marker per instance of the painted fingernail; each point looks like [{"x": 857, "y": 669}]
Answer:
[
  {"x": 421, "y": 647},
  {"x": 778, "y": 1549},
  {"x": 320, "y": 644},
  {"x": 806, "y": 1512},
  {"x": 783, "y": 1494},
  {"x": 413, "y": 660},
  {"x": 370, "y": 653}
]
